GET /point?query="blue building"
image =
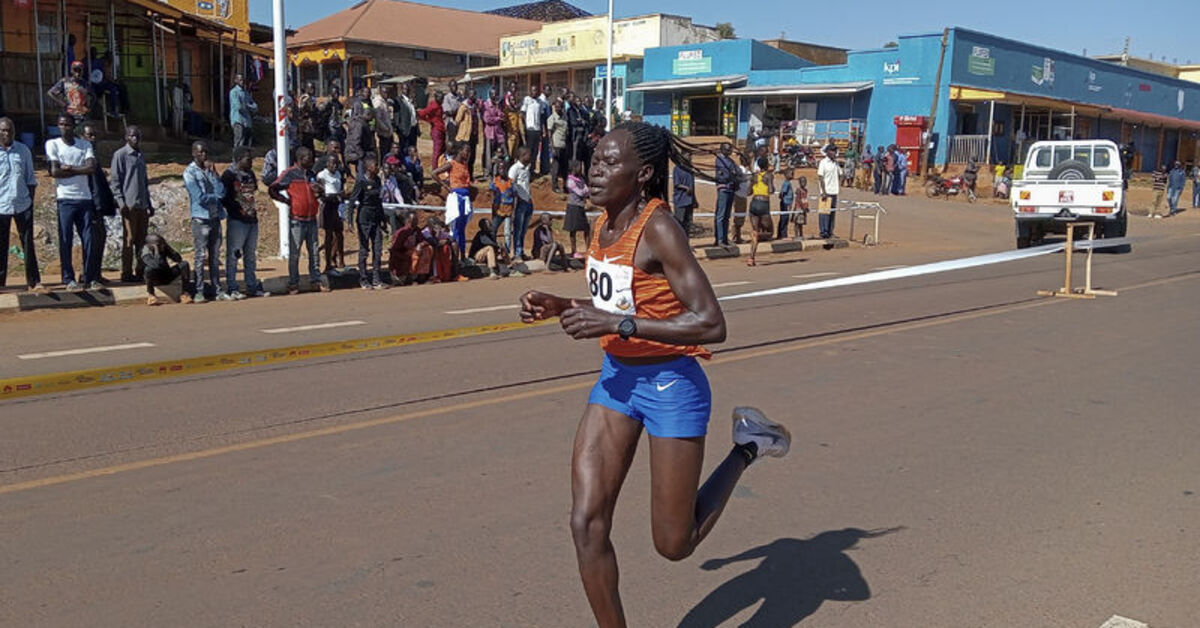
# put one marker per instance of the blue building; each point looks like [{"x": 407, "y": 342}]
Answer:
[
  {"x": 978, "y": 95},
  {"x": 686, "y": 88}
]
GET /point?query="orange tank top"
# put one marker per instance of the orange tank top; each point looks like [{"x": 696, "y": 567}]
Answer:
[{"x": 620, "y": 287}]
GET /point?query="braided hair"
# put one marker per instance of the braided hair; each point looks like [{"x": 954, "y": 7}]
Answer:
[{"x": 660, "y": 148}]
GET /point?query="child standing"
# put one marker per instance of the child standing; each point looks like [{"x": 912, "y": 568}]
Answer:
[
  {"x": 412, "y": 163},
  {"x": 787, "y": 198},
  {"x": 577, "y": 220},
  {"x": 801, "y": 205},
  {"x": 368, "y": 196},
  {"x": 333, "y": 185},
  {"x": 504, "y": 199}
]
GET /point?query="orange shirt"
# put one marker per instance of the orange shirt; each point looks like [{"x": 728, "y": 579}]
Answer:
[
  {"x": 460, "y": 177},
  {"x": 620, "y": 287}
]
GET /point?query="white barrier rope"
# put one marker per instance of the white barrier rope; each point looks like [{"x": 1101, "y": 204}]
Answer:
[
  {"x": 850, "y": 205},
  {"x": 934, "y": 267}
]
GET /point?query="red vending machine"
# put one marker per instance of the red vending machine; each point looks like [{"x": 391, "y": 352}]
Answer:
[{"x": 910, "y": 131}]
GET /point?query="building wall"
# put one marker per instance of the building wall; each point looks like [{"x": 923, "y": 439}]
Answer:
[
  {"x": 903, "y": 80},
  {"x": 717, "y": 58},
  {"x": 398, "y": 60},
  {"x": 680, "y": 30},
  {"x": 820, "y": 55},
  {"x": 1026, "y": 69}
]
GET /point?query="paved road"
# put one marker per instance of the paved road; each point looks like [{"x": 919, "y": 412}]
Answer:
[{"x": 966, "y": 455}]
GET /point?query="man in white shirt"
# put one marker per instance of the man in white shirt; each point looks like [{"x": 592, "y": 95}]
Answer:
[
  {"x": 71, "y": 162},
  {"x": 519, "y": 173},
  {"x": 531, "y": 112},
  {"x": 829, "y": 178}
]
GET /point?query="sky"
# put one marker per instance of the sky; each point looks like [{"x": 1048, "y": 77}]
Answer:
[{"x": 1160, "y": 28}]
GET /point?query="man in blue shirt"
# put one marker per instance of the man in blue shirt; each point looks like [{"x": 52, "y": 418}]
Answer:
[
  {"x": 17, "y": 184},
  {"x": 1175, "y": 182},
  {"x": 685, "y": 198},
  {"x": 205, "y": 192},
  {"x": 241, "y": 107},
  {"x": 727, "y": 175}
]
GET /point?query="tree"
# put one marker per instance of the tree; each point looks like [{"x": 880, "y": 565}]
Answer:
[
  {"x": 891, "y": 44},
  {"x": 725, "y": 30}
]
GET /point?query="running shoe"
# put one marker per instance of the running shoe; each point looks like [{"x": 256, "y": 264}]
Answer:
[
  {"x": 237, "y": 295},
  {"x": 225, "y": 296},
  {"x": 199, "y": 298},
  {"x": 378, "y": 285},
  {"x": 95, "y": 285},
  {"x": 750, "y": 425}
]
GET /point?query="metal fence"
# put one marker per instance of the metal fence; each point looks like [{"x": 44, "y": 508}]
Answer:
[{"x": 964, "y": 147}]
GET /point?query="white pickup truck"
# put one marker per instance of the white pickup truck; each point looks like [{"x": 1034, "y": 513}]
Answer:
[{"x": 1070, "y": 181}]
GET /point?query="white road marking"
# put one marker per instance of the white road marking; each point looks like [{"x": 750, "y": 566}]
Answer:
[
  {"x": 893, "y": 267},
  {"x": 731, "y": 283},
  {"x": 1116, "y": 621},
  {"x": 493, "y": 308},
  {"x": 288, "y": 330},
  {"x": 65, "y": 352},
  {"x": 812, "y": 275}
]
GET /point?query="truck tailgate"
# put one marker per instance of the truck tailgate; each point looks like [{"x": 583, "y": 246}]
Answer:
[{"x": 1043, "y": 199}]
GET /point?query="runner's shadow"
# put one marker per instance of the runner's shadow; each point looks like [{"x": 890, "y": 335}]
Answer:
[{"x": 794, "y": 578}]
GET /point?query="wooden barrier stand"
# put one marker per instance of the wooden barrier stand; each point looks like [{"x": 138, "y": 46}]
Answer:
[{"x": 1086, "y": 292}]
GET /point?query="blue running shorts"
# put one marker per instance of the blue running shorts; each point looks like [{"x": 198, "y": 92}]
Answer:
[{"x": 672, "y": 399}]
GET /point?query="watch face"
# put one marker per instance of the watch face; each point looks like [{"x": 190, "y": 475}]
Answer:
[{"x": 627, "y": 328}]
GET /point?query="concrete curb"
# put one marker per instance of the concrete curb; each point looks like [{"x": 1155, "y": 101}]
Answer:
[
  {"x": 119, "y": 295},
  {"x": 777, "y": 246}
]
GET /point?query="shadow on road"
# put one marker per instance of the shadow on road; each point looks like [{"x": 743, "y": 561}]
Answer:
[{"x": 794, "y": 578}]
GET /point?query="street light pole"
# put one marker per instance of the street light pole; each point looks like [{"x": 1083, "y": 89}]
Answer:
[
  {"x": 281, "y": 143},
  {"x": 608, "y": 72}
]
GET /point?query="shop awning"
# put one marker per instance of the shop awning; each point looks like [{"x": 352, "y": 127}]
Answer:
[
  {"x": 1154, "y": 119},
  {"x": 704, "y": 82},
  {"x": 810, "y": 89},
  {"x": 968, "y": 94}
]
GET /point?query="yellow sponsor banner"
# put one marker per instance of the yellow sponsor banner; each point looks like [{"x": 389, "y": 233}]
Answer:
[
  {"x": 318, "y": 54},
  {"x": 31, "y": 385},
  {"x": 580, "y": 40},
  {"x": 233, "y": 13}
]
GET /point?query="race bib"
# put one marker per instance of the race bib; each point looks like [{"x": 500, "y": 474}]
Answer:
[{"x": 611, "y": 286}]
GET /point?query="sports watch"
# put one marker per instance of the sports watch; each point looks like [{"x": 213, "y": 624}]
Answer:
[{"x": 626, "y": 328}]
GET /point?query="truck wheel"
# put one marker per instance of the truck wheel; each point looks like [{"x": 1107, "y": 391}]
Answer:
[
  {"x": 1117, "y": 229},
  {"x": 1071, "y": 170},
  {"x": 1024, "y": 235}
]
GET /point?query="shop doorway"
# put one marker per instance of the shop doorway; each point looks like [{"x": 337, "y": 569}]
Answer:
[{"x": 706, "y": 115}]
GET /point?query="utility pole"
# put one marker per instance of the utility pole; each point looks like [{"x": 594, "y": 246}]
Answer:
[{"x": 281, "y": 143}]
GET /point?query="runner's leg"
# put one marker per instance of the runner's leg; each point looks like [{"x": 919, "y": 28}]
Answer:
[
  {"x": 604, "y": 446},
  {"x": 681, "y": 517}
]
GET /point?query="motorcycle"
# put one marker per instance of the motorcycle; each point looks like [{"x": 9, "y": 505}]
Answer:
[
  {"x": 937, "y": 185},
  {"x": 798, "y": 156}
]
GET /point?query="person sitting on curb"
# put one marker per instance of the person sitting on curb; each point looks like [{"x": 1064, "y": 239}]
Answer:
[
  {"x": 546, "y": 248},
  {"x": 157, "y": 257},
  {"x": 486, "y": 250}
]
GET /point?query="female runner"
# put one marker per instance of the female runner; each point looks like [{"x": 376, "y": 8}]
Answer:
[{"x": 652, "y": 308}]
